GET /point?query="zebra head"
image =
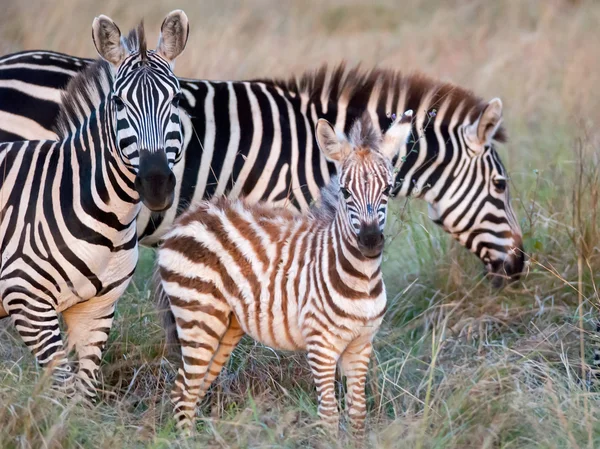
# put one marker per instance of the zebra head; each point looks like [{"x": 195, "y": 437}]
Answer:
[
  {"x": 145, "y": 103},
  {"x": 365, "y": 174},
  {"x": 476, "y": 207}
]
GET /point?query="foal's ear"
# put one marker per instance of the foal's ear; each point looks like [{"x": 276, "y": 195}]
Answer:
[
  {"x": 107, "y": 40},
  {"x": 334, "y": 145},
  {"x": 174, "y": 33},
  {"x": 396, "y": 136}
]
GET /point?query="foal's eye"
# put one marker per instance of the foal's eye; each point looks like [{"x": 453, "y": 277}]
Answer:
[
  {"x": 500, "y": 184},
  {"x": 345, "y": 192},
  {"x": 387, "y": 190}
]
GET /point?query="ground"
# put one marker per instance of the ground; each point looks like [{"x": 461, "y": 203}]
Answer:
[{"x": 458, "y": 364}]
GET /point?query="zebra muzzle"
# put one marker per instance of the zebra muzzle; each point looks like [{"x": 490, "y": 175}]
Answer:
[
  {"x": 370, "y": 240},
  {"x": 155, "y": 181}
]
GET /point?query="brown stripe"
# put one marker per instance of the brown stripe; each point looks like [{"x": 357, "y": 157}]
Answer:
[
  {"x": 196, "y": 251},
  {"x": 345, "y": 263},
  {"x": 270, "y": 313},
  {"x": 302, "y": 266},
  {"x": 193, "y": 361},
  {"x": 377, "y": 289},
  {"x": 207, "y": 309},
  {"x": 247, "y": 232},
  {"x": 216, "y": 226},
  {"x": 284, "y": 281}
]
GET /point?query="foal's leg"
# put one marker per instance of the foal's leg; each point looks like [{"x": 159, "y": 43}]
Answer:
[
  {"x": 36, "y": 322},
  {"x": 354, "y": 363},
  {"x": 201, "y": 324},
  {"x": 322, "y": 359},
  {"x": 232, "y": 337}
]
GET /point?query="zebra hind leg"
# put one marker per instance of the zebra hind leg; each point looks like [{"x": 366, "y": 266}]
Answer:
[
  {"x": 232, "y": 337},
  {"x": 36, "y": 321},
  {"x": 88, "y": 324},
  {"x": 201, "y": 322}
]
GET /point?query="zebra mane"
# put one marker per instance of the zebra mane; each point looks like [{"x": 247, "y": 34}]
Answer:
[
  {"x": 355, "y": 86},
  {"x": 324, "y": 209},
  {"x": 136, "y": 41},
  {"x": 88, "y": 88},
  {"x": 363, "y": 133},
  {"x": 83, "y": 94}
]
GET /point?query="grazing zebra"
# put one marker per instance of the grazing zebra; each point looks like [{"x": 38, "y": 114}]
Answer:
[
  {"x": 68, "y": 207},
  {"x": 310, "y": 283},
  {"x": 256, "y": 139}
]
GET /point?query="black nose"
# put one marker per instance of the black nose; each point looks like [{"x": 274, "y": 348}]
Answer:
[
  {"x": 155, "y": 182},
  {"x": 370, "y": 240},
  {"x": 509, "y": 270}
]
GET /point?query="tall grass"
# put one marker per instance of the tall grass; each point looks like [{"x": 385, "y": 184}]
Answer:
[{"x": 457, "y": 364}]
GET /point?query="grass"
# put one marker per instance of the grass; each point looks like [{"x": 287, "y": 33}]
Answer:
[{"x": 458, "y": 364}]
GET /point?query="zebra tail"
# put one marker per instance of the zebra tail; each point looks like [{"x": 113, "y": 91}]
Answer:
[{"x": 166, "y": 317}]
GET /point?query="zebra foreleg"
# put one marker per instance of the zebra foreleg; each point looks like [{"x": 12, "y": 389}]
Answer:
[
  {"x": 36, "y": 321},
  {"x": 88, "y": 325},
  {"x": 323, "y": 361},
  {"x": 354, "y": 364}
]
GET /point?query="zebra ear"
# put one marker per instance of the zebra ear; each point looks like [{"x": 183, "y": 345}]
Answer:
[
  {"x": 483, "y": 130},
  {"x": 174, "y": 33},
  {"x": 394, "y": 139},
  {"x": 333, "y": 145},
  {"x": 108, "y": 42}
]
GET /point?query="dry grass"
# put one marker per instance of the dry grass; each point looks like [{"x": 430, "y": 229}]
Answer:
[{"x": 458, "y": 364}]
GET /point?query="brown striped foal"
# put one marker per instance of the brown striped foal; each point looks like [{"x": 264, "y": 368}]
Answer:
[{"x": 309, "y": 283}]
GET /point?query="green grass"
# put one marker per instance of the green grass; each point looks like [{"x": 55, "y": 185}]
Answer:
[{"x": 457, "y": 364}]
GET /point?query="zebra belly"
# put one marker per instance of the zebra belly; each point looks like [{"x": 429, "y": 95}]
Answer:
[
  {"x": 89, "y": 271},
  {"x": 266, "y": 322}
]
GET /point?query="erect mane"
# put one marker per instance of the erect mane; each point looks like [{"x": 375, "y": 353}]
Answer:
[
  {"x": 83, "y": 94},
  {"x": 136, "y": 40},
  {"x": 355, "y": 86}
]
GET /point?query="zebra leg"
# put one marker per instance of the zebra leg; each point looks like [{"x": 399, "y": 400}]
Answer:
[
  {"x": 595, "y": 377},
  {"x": 88, "y": 324},
  {"x": 36, "y": 321},
  {"x": 232, "y": 337},
  {"x": 201, "y": 324},
  {"x": 354, "y": 363},
  {"x": 323, "y": 364}
]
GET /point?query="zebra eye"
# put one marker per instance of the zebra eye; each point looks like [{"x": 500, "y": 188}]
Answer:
[
  {"x": 345, "y": 192},
  {"x": 500, "y": 184},
  {"x": 387, "y": 190},
  {"x": 176, "y": 99},
  {"x": 118, "y": 102}
]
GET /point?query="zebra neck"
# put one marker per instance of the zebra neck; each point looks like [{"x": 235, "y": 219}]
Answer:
[
  {"x": 103, "y": 174},
  {"x": 356, "y": 271},
  {"x": 427, "y": 163}
]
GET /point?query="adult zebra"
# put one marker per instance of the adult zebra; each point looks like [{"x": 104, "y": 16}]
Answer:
[
  {"x": 256, "y": 138},
  {"x": 68, "y": 207}
]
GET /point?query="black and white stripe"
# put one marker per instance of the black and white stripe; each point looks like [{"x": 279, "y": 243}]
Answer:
[
  {"x": 68, "y": 207},
  {"x": 256, "y": 139}
]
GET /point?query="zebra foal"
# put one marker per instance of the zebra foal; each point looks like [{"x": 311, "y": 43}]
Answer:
[
  {"x": 310, "y": 283},
  {"x": 68, "y": 207}
]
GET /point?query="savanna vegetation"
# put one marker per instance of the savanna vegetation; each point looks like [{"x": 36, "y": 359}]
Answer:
[{"x": 458, "y": 364}]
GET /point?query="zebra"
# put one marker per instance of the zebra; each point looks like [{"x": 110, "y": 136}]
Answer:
[
  {"x": 308, "y": 283},
  {"x": 68, "y": 207},
  {"x": 256, "y": 139}
]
